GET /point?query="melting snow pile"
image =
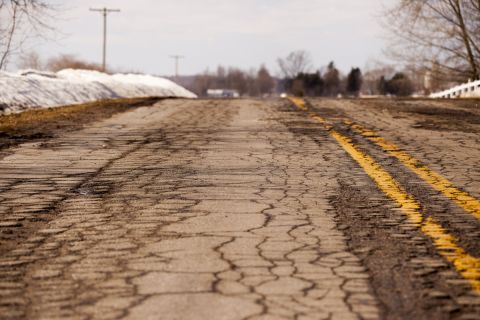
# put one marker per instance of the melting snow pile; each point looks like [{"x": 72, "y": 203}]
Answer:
[{"x": 34, "y": 89}]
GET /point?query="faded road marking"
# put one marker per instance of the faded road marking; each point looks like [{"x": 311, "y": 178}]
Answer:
[{"x": 446, "y": 244}]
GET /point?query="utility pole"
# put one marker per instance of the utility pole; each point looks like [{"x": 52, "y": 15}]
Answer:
[
  {"x": 105, "y": 12},
  {"x": 177, "y": 59}
]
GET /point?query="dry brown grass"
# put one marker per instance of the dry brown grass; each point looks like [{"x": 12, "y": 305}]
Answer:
[
  {"x": 18, "y": 121},
  {"x": 34, "y": 125}
]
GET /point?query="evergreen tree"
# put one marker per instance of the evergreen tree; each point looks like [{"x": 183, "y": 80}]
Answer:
[
  {"x": 354, "y": 81},
  {"x": 313, "y": 83},
  {"x": 306, "y": 84},
  {"x": 400, "y": 85},
  {"x": 332, "y": 80}
]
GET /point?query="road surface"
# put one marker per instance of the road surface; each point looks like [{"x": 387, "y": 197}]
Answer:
[{"x": 247, "y": 209}]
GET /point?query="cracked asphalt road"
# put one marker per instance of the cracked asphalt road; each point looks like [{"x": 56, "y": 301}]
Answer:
[{"x": 232, "y": 209}]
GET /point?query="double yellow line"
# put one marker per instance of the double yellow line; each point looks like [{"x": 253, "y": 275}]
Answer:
[
  {"x": 441, "y": 184},
  {"x": 446, "y": 244}
]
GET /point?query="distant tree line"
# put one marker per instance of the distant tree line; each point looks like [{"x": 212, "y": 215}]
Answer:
[
  {"x": 398, "y": 85},
  {"x": 298, "y": 79},
  {"x": 247, "y": 83},
  {"x": 330, "y": 84}
]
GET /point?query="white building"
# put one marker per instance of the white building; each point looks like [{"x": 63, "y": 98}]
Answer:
[{"x": 222, "y": 93}]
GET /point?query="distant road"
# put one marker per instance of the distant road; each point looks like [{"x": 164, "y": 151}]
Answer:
[{"x": 247, "y": 209}]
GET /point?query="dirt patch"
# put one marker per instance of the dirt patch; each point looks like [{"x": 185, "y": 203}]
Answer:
[
  {"x": 437, "y": 115},
  {"x": 46, "y": 123},
  {"x": 443, "y": 119},
  {"x": 376, "y": 236}
]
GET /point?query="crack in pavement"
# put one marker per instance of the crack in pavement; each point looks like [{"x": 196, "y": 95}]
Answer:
[{"x": 219, "y": 212}]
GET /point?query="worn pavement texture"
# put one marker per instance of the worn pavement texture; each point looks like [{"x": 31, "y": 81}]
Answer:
[{"x": 226, "y": 209}]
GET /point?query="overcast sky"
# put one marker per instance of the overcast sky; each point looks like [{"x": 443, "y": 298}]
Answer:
[{"x": 243, "y": 33}]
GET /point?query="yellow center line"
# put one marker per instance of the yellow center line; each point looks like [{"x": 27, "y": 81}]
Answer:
[
  {"x": 446, "y": 244},
  {"x": 438, "y": 182},
  {"x": 299, "y": 102}
]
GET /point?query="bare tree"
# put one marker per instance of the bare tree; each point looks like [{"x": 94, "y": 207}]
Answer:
[
  {"x": 20, "y": 19},
  {"x": 354, "y": 81},
  {"x": 440, "y": 34},
  {"x": 374, "y": 71},
  {"x": 264, "y": 81},
  {"x": 237, "y": 80},
  {"x": 250, "y": 82},
  {"x": 67, "y": 61},
  {"x": 296, "y": 62},
  {"x": 31, "y": 60}
]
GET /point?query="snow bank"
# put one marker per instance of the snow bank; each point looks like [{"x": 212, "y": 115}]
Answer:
[{"x": 36, "y": 89}]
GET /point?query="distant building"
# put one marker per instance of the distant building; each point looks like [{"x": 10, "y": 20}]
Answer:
[{"x": 222, "y": 93}]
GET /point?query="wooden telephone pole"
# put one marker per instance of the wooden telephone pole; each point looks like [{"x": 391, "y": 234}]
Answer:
[
  {"x": 177, "y": 60},
  {"x": 105, "y": 12}
]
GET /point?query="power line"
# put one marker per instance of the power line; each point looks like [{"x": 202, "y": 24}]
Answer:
[
  {"x": 177, "y": 61},
  {"x": 105, "y": 12}
]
